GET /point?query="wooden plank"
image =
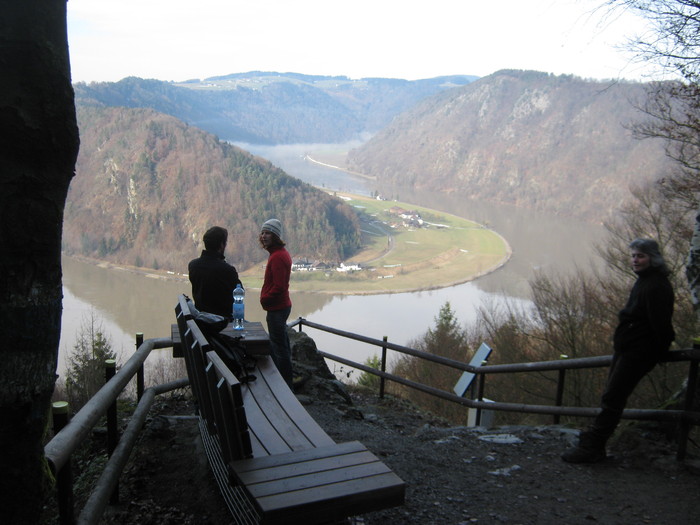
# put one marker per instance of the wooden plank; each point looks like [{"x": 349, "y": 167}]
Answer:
[
  {"x": 283, "y": 409},
  {"x": 224, "y": 434},
  {"x": 332, "y": 503},
  {"x": 182, "y": 314},
  {"x": 335, "y": 449},
  {"x": 328, "y": 476},
  {"x": 319, "y": 485},
  {"x": 231, "y": 418},
  {"x": 260, "y": 426},
  {"x": 323, "y": 471},
  {"x": 197, "y": 345}
]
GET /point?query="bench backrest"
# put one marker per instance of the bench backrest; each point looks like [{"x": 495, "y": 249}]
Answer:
[
  {"x": 229, "y": 413},
  {"x": 195, "y": 346},
  {"x": 182, "y": 313}
]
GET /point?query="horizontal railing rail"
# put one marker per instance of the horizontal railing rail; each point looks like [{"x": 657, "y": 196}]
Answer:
[
  {"x": 685, "y": 416},
  {"x": 59, "y": 449}
]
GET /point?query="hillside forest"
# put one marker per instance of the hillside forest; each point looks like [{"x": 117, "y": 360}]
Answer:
[
  {"x": 148, "y": 186},
  {"x": 557, "y": 144}
]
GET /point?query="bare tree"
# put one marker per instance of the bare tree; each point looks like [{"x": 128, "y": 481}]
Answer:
[
  {"x": 38, "y": 149},
  {"x": 673, "y": 43}
]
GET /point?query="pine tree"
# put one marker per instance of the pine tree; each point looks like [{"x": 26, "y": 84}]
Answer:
[{"x": 85, "y": 375}]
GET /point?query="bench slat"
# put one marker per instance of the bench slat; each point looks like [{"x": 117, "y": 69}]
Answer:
[
  {"x": 321, "y": 504},
  {"x": 227, "y": 391},
  {"x": 266, "y": 462},
  {"x": 283, "y": 425},
  {"x": 323, "y": 471},
  {"x": 195, "y": 346},
  {"x": 328, "y": 482}
]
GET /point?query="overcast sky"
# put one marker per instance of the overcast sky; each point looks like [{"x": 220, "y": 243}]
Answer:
[{"x": 411, "y": 39}]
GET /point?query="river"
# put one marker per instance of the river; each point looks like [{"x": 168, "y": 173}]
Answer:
[{"x": 127, "y": 303}]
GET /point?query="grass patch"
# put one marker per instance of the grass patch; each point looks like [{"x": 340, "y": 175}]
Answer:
[{"x": 443, "y": 251}]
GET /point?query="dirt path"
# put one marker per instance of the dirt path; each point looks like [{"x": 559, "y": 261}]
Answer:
[{"x": 455, "y": 475}]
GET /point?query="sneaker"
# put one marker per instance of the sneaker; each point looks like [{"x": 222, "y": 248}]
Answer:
[{"x": 583, "y": 455}]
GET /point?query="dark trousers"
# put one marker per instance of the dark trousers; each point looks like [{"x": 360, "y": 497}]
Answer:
[
  {"x": 279, "y": 342},
  {"x": 626, "y": 371}
]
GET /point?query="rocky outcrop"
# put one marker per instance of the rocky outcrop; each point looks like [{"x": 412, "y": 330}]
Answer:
[{"x": 313, "y": 379}]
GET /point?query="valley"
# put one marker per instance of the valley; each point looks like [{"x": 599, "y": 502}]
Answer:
[{"x": 404, "y": 248}]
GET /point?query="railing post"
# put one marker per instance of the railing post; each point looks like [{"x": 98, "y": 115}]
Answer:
[
  {"x": 139, "y": 375},
  {"x": 481, "y": 380},
  {"x": 691, "y": 386},
  {"x": 301, "y": 319},
  {"x": 112, "y": 431},
  {"x": 560, "y": 388},
  {"x": 383, "y": 368},
  {"x": 64, "y": 477}
]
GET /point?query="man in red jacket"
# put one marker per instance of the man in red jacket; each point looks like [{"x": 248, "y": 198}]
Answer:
[{"x": 274, "y": 296}]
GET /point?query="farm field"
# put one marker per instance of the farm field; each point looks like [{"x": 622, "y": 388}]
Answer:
[{"x": 424, "y": 249}]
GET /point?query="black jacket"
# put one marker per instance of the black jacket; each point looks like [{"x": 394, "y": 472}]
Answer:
[
  {"x": 645, "y": 322},
  {"x": 213, "y": 281}
]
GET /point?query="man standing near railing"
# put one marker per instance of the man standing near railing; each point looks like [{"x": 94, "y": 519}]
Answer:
[
  {"x": 212, "y": 278},
  {"x": 643, "y": 335},
  {"x": 274, "y": 296}
]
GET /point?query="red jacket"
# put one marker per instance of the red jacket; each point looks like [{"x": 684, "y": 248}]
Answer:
[{"x": 275, "y": 289}]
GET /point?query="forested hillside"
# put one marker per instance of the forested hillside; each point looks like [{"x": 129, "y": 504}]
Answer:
[
  {"x": 273, "y": 108},
  {"x": 147, "y": 186},
  {"x": 552, "y": 143}
]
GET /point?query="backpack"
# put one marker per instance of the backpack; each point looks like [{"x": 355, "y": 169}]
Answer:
[
  {"x": 208, "y": 323},
  {"x": 234, "y": 355}
]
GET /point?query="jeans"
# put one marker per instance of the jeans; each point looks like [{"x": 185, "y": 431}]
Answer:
[
  {"x": 626, "y": 371},
  {"x": 280, "y": 350}
]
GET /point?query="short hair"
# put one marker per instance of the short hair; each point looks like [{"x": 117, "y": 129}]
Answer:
[
  {"x": 214, "y": 236},
  {"x": 651, "y": 248}
]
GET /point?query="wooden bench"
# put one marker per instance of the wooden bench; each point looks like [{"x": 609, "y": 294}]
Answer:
[{"x": 273, "y": 451}]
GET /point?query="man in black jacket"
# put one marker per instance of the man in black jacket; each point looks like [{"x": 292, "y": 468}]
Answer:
[
  {"x": 212, "y": 278},
  {"x": 643, "y": 335}
]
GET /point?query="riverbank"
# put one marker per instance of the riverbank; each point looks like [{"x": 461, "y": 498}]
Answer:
[{"x": 398, "y": 255}]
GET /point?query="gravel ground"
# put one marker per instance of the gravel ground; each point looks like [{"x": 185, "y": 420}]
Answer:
[{"x": 454, "y": 475}]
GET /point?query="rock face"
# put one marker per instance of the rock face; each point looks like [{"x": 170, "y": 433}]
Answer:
[
  {"x": 313, "y": 378},
  {"x": 557, "y": 144}
]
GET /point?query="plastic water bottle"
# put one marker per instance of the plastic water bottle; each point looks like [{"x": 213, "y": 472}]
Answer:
[{"x": 238, "y": 307}]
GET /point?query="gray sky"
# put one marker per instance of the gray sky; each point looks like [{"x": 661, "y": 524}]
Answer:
[{"x": 179, "y": 40}]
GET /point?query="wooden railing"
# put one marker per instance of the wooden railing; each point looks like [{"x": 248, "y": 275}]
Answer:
[
  {"x": 59, "y": 450},
  {"x": 685, "y": 417},
  {"x": 71, "y": 433}
]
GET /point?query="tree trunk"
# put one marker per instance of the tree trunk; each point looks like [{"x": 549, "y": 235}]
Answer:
[{"x": 38, "y": 148}]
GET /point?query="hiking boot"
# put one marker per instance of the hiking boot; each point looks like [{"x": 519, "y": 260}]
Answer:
[
  {"x": 579, "y": 454},
  {"x": 590, "y": 448}
]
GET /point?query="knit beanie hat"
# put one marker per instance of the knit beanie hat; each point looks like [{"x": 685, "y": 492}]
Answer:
[{"x": 274, "y": 226}]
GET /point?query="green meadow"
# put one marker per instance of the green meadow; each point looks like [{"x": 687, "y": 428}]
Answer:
[{"x": 398, "y": 256}]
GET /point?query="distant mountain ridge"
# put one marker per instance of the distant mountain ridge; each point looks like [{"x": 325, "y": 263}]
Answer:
[
  {"x": 558, "y": 144},
  {"x": 273, "y": 108}
]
